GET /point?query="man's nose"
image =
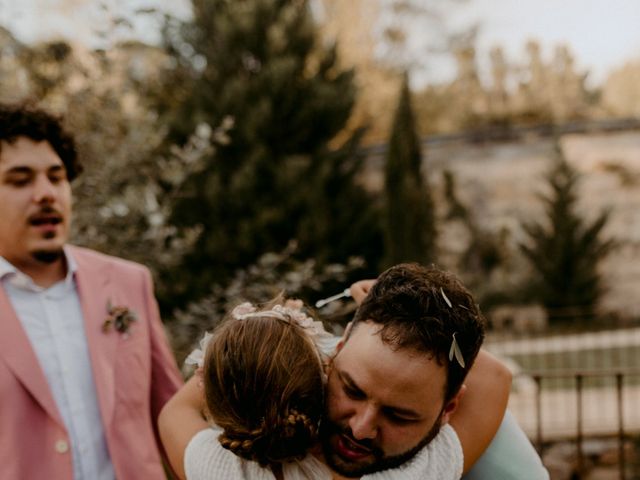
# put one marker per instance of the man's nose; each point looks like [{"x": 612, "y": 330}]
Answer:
[
  {"x": 364, "y": 423},
  {"x": 44, "y": 191}
]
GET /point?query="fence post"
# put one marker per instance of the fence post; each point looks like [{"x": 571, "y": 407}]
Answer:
[
  {"x": 580, "y": 465},
  {"x": 619, "y": 379},
  {"x": 538, "y": 380}
]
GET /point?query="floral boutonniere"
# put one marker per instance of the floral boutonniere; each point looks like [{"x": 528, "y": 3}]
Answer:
[{"x": 119, "y": 317}]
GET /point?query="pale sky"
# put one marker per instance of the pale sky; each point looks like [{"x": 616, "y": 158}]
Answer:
[
  {"x": 89, "y": 21},
  {"x": 602, "y": 34}
]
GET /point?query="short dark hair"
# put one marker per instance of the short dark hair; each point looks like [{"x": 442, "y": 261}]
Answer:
[
  {"x": 38, "y": 125},
  {"x": 421, "y": 308}
]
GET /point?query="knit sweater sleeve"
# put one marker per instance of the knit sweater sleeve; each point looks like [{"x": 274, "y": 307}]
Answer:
[{"x": 206, "y": 459}]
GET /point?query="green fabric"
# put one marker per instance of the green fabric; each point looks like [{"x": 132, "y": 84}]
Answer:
[{"x": 510, "y": 456}]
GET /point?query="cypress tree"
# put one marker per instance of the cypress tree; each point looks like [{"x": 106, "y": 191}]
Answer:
[
  {"x": 410, "y": 233},
  {"x": 565, "y": 250}
]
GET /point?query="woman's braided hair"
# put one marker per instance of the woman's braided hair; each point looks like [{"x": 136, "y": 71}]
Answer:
[
  {"x": 264, "y": 388},
  {"x": 289, "y": 438}
]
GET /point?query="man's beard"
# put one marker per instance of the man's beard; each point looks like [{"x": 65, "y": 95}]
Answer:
[
  {"x": 380, "y": 462},
  {"x": 48, "y": 256}
]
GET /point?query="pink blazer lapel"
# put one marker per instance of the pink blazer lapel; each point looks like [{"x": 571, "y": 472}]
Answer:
[
  {"x": 94, "y": 282},
  {"x": 16, "y": 350}
]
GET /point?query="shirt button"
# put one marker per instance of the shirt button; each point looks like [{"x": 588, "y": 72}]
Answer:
[{"x": 62, "y": 446}]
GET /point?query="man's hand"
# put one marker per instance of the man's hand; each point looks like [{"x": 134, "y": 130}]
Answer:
[{"x": 360, "y": 289}]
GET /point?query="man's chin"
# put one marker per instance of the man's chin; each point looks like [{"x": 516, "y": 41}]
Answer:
[
  {"x": 375, "y": 463},
  {"x": 349, "y": 467},
  {"x": 48, "y": 256}
]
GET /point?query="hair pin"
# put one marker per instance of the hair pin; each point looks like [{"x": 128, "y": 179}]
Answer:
[
  {"x": 454, "y": 351},
  {"x": 446, "y": 299}
]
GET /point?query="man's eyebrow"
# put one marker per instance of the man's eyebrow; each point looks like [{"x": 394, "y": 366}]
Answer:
[
  {"x": 56, "y": 168},
  {"x": 18, "y": 170},
  {"x": 350, "y": 382},
  {"x": 22, "y": 169},
  {"x": 403, "y": 412}
]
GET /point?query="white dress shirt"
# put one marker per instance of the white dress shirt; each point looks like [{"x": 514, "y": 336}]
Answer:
[{"x": 52, "y": 319}]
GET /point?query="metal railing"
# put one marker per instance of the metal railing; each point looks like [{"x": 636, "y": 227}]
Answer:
[
  {"x": 578, "y": 378},
  {"x": 577, "y": 395}
]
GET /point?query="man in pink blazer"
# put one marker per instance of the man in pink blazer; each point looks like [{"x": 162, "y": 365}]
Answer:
[{"x": 84, "y": 363}]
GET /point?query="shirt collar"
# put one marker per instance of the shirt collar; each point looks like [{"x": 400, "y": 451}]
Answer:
[
  {"x": 6, "y": 268},
  {"x": 19, "y": 279}
]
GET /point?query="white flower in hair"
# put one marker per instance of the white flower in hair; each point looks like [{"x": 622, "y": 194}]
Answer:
[
  {"x": 197, "y": 356},
  {"x": 323, "y": 340},
  {"x": 243, "y": 309}
]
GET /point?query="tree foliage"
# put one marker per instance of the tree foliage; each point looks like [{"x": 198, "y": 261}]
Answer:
[
  {"x": 269, "y": 276},
  {"x": 565, "y": 250},
  {"x": 124, "y": 198},
  {"x": 280, "y": 177},
  {"x": 410, "y": 231},
  {"x": 483, "y": 254},
  {"x": 137, "y": 173}
]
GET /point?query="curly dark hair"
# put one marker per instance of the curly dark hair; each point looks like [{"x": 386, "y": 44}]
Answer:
[
  {"x": 422, "y": 308},
  {"x": 38, "y": 125}
]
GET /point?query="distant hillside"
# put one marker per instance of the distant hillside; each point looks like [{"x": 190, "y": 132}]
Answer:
[{"x": 499, "y": 183}]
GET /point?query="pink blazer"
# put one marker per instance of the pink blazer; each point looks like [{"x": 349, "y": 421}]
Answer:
[{"x": 135, "y": 375}]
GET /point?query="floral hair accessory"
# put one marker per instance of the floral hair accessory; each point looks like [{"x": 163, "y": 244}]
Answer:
[
  {"x": 119, "y": 317},
  {"x": 197, "y": 356},
  {"x": 291, "y": 312},
  {"x": 455, "y": 351}
]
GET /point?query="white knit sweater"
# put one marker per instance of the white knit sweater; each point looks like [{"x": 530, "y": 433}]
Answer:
[{"x": 206, "y": 459}]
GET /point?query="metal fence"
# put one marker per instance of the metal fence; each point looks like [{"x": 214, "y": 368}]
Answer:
[
  {"x": 612, "y": 424},
  {"x": 574, "y": 387}
]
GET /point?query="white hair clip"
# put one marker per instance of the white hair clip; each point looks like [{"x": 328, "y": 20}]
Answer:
[{"x": 454, "y": 351}]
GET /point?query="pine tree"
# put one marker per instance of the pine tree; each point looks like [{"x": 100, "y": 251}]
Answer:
[
  {"x": 483, "y": 253},
  {"x": 260, "y": 64},
  {"x": 565, "y": 250},
  {"x": 410, "y": 232}
]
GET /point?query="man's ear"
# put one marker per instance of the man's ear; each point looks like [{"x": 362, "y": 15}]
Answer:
[
  {"x": 345, "y": 335},
  {"x": 452, "y": 405}
]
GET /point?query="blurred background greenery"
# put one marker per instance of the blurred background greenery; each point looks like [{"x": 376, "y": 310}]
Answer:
[
  {"x": 233, "y": 156},
  {"x": 240, "y": 148}
]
